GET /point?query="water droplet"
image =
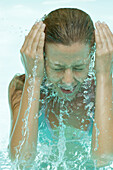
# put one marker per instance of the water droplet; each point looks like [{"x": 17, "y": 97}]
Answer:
[{"x": 82, "y": 121}]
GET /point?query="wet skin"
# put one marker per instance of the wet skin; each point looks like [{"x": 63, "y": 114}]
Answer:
[{"x": 73, "y": 69}]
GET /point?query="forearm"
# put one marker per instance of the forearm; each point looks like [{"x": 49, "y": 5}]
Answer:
[
  {"x": 28, "y": 147},
  {"x": 103, "y": 117}
]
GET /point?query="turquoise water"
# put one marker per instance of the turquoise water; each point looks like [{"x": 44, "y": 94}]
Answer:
[
  {"x": 16, "y": 19},
  {"x": 65, "y": 147}
]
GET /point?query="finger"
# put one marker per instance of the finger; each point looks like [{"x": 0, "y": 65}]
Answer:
[
  {"x": 37, "y": 38},
  {"x": 36, "y": 23},
  {"x": 30, "y": 34},
  {"x": 40, "y": 46},
  {"x": 37, "y": 30},
  {"x": 102, "y": 36},
  {"x": 108, "y": 38},
  {"x": 109, "y": 33},
  {"x": 26, "y": 39},
  {"x": 97, "y": 37}
]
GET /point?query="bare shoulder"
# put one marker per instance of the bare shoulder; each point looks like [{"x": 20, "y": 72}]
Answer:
[
  {"x": 17, "y": 82},
  {"x": 15, "y": 88}
]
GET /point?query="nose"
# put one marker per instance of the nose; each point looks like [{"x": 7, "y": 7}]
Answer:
[{"x": 68, "y": 77}]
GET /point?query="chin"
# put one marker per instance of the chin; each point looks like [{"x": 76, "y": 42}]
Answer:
[{"x": 66, "y": 97}]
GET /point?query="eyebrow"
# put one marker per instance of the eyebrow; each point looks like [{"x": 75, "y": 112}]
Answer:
[{"x": 55, "y": 64}]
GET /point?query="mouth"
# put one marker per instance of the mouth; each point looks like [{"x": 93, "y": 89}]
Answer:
[{"x": 67, "y": 91}]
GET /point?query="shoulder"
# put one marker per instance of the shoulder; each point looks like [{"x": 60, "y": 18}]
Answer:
[
  {"x": 15, "y": 89},
  {"x": 17, "y": 81}
]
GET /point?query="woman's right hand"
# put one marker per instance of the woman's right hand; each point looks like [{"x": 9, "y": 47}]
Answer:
[{"x": 32, "y": 47}]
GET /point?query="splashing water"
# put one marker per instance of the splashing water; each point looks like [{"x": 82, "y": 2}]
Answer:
[
  {"x": 70, "y": 147},
  {"x": 25, "y": 129}
]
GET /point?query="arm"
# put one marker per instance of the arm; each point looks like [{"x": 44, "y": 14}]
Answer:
[
  {"x": 103, "y": 101},
  {"x": 103, "y": 119},
  {"x": 28, "y": 151},
  {"x": 25, "y": 131}
]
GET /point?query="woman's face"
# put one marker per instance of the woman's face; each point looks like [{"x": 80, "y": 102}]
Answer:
[{"x": 67, "y": 67}]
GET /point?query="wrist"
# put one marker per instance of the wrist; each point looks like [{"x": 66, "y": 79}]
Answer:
[
  {"x": 103, "y": 74},
  {"x": 32, "y": 80},
  {"x": 104, "y": 78}
]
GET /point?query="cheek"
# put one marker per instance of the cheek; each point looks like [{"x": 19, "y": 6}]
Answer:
[
  {"x": 80, "y": 73},
  {"x": 53, "y": 76},
  {"x": 85, "y": 74},
  {"x": 81, "y": 76}
]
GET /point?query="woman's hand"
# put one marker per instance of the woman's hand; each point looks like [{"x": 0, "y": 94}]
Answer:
[
  {"x": 104, "y": 48},
  {"x": 33, "y": 47}
]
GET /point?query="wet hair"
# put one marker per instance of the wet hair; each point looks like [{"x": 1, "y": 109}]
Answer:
[
  {"x": 69, "y": 25},
  {"x": 63, "y": 26}
]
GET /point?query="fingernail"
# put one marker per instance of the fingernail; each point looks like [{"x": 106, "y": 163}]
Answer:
[
  {"x": 42, "y": 34},
  {"x": 104, "y": 23},
  {"x": 96, "y": 31},
  {"x": 40, "y": 22},
  {"x": 36, "y": 23},
  {"x": 98, "y": 22},
  {"x": 44, "y": 24}
]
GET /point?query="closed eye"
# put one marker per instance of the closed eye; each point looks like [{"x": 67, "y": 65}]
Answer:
[
  {"x": 59, "y": 69},
  {"x": 78, "y": 69},
  {"x": 63, "y": 69}
]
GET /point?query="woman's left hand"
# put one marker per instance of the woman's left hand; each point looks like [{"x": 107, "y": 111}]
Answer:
[{"x": 104, "y": 48}]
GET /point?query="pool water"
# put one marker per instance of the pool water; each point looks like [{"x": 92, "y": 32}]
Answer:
[
  {"x": 64, "y": 147},
  {"x": 68, "y": 148}
]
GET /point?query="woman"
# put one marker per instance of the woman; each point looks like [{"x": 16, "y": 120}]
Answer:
[{"x": 56, "y": 56}]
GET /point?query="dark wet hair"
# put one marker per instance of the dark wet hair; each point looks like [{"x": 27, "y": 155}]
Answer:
[
  {"x": 69, "y": 25},
  {"x": 63, "y": 26}
]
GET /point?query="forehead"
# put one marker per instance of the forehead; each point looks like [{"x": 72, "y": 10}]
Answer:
[{"x": 59, "y": 52}]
